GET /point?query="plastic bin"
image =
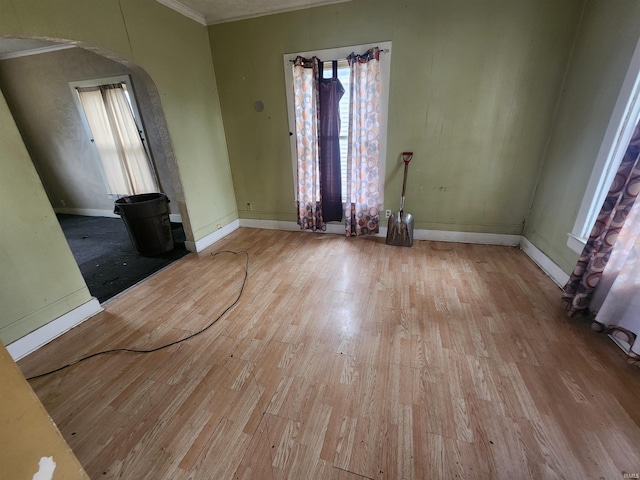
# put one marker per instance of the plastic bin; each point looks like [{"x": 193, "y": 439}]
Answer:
[{"x": 146, "y": 217}]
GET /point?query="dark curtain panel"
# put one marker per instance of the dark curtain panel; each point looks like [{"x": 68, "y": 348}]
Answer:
[{"x": 331, "y": 91}]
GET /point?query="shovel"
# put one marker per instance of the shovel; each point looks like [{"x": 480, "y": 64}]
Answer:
[{"x": 400, "y": 226}]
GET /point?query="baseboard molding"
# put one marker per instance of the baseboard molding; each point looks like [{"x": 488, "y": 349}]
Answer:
[
  {"x": 431, "y": 235},
  {"x": 468, "y": 237},
  {"x": 332, "y": 228},
  {"x": 545, "y": 263},
  {"x": 92, "y": 212},
  {"x": 212, "y": 238},
  {"x": 624, "y": 346},
  {"x": 43, "y": 335}
]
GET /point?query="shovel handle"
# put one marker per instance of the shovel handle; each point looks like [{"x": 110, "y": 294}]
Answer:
[{"x": 406, "y": 158}]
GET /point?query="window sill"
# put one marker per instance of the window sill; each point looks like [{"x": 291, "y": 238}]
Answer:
[{"x": 576, "y": 243}]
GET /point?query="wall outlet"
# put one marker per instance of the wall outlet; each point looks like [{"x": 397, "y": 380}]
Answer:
[
  {"x": 249, "y": 206},
  {"x": 387, "y": 213}
]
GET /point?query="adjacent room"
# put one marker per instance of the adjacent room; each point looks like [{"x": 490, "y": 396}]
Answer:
[
  {"x": 43, "y": 82},
  {"x": 412, "y": 230}
]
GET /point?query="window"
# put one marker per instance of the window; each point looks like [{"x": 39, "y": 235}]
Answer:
[
  {"x": 343, "y": 76},
  {"x": 621, "y": 125},
  {"x": 341, "y": 54},
  {"x": 108, "y": 109}
]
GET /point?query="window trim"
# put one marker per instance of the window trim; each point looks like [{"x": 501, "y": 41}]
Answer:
[
  {"x": 614, "y": 144},
  {"x": 96, "y": 82},
  {"x": 337, "y": 54}
]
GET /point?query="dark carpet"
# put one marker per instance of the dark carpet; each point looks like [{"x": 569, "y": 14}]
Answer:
[{"x": 107, "y": 259}]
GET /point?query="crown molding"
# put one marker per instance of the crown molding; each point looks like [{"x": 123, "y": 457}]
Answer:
[
  {"x": 184, "y": 10},
  {"x": 36, "y": 51},
  {"x": 215, "y": 20}
]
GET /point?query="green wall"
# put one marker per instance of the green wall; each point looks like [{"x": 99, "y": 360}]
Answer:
[
  {"x": 603, "y": 50},
  {"x": 40, "y": 280},
  {"x": 39, "y": 277},
  {"x": 473, "y": 89}
]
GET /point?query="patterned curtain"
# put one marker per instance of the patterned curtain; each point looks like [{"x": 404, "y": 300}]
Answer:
[
  {"x": 619, "y": 202},
  {"x": 362, "y": 210},
  {"x": 306, "y": 75}
]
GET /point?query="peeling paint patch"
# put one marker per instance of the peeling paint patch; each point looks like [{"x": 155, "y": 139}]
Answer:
[{"x": 46, "y": 468}]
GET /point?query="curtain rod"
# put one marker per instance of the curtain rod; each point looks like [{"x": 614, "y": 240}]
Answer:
[{"x": 386, "y": 50}]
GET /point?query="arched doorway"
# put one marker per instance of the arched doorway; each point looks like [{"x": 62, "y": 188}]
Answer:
[{"x": 34, "y": 77}]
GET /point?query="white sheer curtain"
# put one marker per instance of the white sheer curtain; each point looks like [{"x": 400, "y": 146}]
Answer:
[
  {"x": 617, "y": 296},
  {"x": 124, "y": 160}
]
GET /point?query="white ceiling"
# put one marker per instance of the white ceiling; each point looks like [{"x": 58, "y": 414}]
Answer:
[{"x": 209, "y": 12}]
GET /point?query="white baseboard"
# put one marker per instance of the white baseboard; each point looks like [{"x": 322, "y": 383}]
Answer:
[
  {"x": 332, "y": 228},
  {"x": 468, "y": 237},
  {"x": 212, "y": 238},
  {"x": 92, "y": 212},
  {"x": 43, "y": 335},
  {"x": 624, "y": 346},
  {"x": 432, "y": 235},
  {"x": 545, "y": 263},
  {"x": 269, "y": 224}
]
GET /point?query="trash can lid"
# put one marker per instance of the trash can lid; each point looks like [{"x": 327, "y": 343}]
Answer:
[{"x": 142, "y": 197}]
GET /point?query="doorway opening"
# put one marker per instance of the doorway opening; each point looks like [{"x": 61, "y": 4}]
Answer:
[{"x": 35, "y": 81}]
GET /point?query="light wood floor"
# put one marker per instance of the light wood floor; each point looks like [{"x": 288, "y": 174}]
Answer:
[{"x": 345, "y": 359}]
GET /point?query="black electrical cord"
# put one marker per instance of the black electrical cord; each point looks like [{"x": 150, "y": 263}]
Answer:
[{"x": 133, "y": 350}]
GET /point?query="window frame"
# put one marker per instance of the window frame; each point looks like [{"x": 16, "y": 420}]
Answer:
[
  {"x": 614, "y": 144},
  {"x": 339, "y": 53},
  {"x": 96, "y": 82}
]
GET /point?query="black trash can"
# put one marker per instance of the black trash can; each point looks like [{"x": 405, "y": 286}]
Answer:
[{"x": 146, "y": 217}]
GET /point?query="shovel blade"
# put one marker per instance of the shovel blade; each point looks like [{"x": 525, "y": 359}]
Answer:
[{"x": 400, "y": 230}]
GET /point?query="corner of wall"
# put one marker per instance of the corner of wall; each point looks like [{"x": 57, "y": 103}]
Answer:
[{"x": 547, "y": 265}]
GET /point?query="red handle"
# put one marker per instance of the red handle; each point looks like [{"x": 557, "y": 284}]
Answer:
[{"x": 406, "y": 157}]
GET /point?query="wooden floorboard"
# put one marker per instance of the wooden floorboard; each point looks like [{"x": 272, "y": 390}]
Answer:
[{"x": 344, "y": 359}]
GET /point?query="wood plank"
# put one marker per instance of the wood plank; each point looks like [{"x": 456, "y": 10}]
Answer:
[{"x": 344, "y": 359}]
